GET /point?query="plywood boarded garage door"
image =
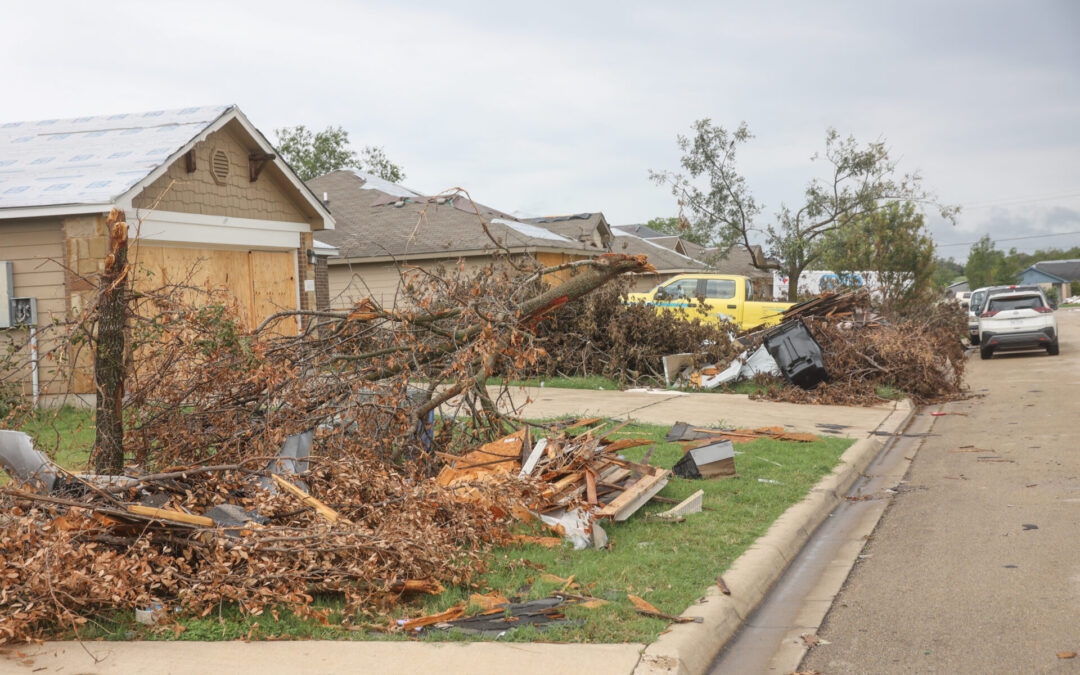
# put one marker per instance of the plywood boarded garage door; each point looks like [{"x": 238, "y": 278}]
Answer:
[{"x": 262, "y": 282}]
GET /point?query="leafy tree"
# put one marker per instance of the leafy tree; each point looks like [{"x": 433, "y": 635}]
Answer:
[
  {"x": 891, "y": 241},
  {"x": 987, "y": 266},
  {"x": 859, "y": 179},
  {"x": 946, "y": 272},
  {"x": 681, "y": 227},
  {"x": 314, "y": 154}
]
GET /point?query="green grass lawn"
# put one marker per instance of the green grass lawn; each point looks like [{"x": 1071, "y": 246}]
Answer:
[
  {"x": 65, "y": 434},
  {"x": 581, "y": 382},
  {"x": 670, "y": 564}
]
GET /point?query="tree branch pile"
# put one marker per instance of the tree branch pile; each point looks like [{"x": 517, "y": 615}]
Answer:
[
  {"x": 208, "y": 405},
  {"x": 602, "y": 335},
  {"x": 920, "y": 354}
]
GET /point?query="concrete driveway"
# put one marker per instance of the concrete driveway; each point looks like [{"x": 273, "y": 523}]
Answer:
[{"x": 975, "y": 567}]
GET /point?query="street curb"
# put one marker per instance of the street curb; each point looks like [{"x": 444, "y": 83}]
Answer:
[{"x": 689, "y": 648}]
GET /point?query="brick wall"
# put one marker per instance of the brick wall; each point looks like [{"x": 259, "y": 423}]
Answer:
[{"x": 322, "y": 284}]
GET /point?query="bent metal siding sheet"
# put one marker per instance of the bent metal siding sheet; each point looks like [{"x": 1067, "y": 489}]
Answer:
[{"x": 91, "y": 160}]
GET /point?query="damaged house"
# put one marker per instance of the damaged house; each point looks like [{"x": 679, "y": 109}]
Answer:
[
  {"x": 384, "y": 229},
  {"x": 207, "y": 199}
]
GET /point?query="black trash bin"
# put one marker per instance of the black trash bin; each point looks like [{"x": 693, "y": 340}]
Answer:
[{"x": 797, "y": 354}]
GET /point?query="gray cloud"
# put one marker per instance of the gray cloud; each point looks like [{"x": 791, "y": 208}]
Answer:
[{"x": 566, "y": 106}]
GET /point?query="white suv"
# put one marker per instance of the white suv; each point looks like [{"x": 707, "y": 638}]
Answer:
[{"x": 1017, "y": 320}]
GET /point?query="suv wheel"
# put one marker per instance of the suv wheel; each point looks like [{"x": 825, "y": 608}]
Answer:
[
  {"x": 975, "y": 339},
  {"x": 987, "y": 352},
  {"x": 1052, "y": 349}
]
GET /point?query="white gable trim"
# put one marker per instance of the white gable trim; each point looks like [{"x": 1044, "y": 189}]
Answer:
[
  {"x": 233, "y": 113},
  {"x": 53, "y": 211},
  {"x": 196, "y": 229}
]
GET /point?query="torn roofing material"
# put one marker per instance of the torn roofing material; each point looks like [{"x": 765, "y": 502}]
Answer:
[
  {"x": 91, "y": 160},
  {"x": 372, "y": 223},
  {"x": 531, "y": 230}
]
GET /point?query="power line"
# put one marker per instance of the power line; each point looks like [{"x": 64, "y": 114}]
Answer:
[
  {"x": 1032, "y": 236},
  {"x": 1014, "y": 201}
]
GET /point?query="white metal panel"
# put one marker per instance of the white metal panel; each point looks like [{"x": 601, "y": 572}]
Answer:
[{"x": 90, "y": 160}]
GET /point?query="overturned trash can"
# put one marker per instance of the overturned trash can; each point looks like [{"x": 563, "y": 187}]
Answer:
[{"x": 797, "y": 354}]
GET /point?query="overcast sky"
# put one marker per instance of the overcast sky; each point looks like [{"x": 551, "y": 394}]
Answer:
[{"x": 559, "y": 107}]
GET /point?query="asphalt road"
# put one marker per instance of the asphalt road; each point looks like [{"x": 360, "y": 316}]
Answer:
[{"x": 975, "y": 566}]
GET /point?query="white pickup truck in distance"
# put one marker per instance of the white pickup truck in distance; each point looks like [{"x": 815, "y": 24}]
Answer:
[{"x": 1017, "y": 320}]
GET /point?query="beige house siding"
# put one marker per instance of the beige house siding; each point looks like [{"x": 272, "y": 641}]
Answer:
[
  {"x": 238, "y": 197},
  {"x": 36, "y": 249},
  {"x": 351, "y": 282}
]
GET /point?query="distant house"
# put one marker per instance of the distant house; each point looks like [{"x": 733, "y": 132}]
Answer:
[
  {"x": 955, "y": 289},
  {"x": 1057, "y": 274},
  {"x": 643, "y": 231},
  {"x": 210, "y": 191},
  {"x": 384, "y": 228},
  {"x": 667, "y": 262},
  {"x": 591, "y": 229},
  {"x": 734, "y": 260}
]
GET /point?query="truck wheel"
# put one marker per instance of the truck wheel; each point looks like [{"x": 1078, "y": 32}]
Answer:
[
  {"x": 974, "y": 340},
  {"x": 1052, "y": 349},
  {"x": 986, "y": 352}
]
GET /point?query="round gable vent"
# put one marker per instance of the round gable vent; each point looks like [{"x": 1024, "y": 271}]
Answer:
[{"x": 219, "y": 166}]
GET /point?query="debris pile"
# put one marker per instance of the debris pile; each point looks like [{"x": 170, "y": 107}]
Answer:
[
  {"x": 834, "y": 349},
  {"x": 208, "y": 494},
  {"x": 187, "y": 539},
  {"x": 579, "y": 480},
  {"x": 602, "y": 335}
]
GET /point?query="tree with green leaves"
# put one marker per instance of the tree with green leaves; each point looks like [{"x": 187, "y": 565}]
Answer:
[
  {"x": 987, "y": 266},
  {"x": 314, "y": 154},
  {"x": 859, "y": 180},
  {"x": 946, "y": 271},
  {"x": 891, "y": 241},
  {"x": 680, "y": 227}
]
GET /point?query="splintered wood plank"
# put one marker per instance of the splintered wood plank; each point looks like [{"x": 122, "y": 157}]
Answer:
[
  {"x": 635, "y": 496},
  {"x": 320, "y": 508},
  {"x": 590, "y": 488},
  {"x": 170, "y": 516}
]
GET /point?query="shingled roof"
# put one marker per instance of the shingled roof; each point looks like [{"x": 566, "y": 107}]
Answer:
[
  {"x": 590, "y": 228},
  {"x": 376, "y": 219},
  {"x": 1066, "y": 270},
  {"x": 662, "y": 258}
]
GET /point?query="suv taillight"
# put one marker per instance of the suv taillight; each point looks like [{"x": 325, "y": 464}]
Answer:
[
  {"x": 987, "y": 315},
  {"x": 1043, "y": 310}
]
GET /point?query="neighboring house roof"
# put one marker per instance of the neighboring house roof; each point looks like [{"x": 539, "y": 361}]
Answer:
[
  {"x": 662, "y": 258},
  {"x": 735, "y": 260},
  {"x": 1063, "y": 270},
  {"x": 958, "y": 287},
  {"x": 642, "y": 231},
  {"x": 590, "y": 228},
  {"x": 88, "y": 164},
  {"x": 680, "y": 245},
  {"x": 376, "y": 219}
]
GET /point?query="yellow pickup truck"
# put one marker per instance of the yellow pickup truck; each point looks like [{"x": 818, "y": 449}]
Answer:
[{"x": 713, "y": 298}]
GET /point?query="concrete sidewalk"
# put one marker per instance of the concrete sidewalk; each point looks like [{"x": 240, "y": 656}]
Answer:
[
  {"x": 660, "y": 406},
  {"x": 184, "y": 658}
]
